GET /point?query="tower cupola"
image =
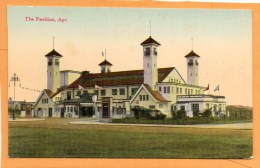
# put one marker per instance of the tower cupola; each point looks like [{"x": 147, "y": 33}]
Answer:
[
  {"x": 105, "y": 66},
  {"x": 53, "y": 70},
  {"x": 192, "y": 68},
  {"x": 150, "y": 62}
]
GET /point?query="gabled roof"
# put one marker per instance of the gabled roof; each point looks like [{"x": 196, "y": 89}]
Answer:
[
  {"x": 105, "y": 63},
  {"x": 134, "y": 77},
  {"x": 53, "y": 53},
  {"x": 155, "y": 94},
  {"x": 48, "y": 92},
  {"x": 192, "y": 54},
  {"x": 150, "y": 40},
  {"x": 54, "y": 94}
]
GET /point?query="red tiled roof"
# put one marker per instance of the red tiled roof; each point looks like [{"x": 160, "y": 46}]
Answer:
[
  {"x": 54, "y": 94},
  {"x": 192, "y": 54},
  {"x": 53, "y": 53},
  {"x": 156, "y": 94},
  {"x": 105, "y": 63},
  {"x": 48, "y": 92},
  {"x": 150, "y": 40},
  {"x": 134, "y": 77}
]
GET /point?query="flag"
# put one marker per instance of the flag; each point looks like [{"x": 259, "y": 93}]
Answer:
[
  {"x": 97, "y": 87},
  {"x": 207, "y": 88},
  {"x": 80, "y": 87},
  {"x": 217, "y": 88}
]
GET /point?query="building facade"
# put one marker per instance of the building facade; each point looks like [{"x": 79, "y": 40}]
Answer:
[{"x": 113, "y": 94}]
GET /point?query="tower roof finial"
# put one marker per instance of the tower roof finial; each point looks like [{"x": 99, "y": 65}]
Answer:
[
  {"x": 150, "y": 28},
  {"x": 192, "y": 44},
  {"x": 53, "y": 42}
]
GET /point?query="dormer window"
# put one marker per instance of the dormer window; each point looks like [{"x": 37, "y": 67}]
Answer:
[{"x": 147, "y": 51}]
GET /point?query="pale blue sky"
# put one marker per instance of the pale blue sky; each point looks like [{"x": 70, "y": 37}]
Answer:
[{"x": 223, "y": 39}]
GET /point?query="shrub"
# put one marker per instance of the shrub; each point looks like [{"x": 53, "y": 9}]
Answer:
[
  {"x": 207, "y": 113},
  {"x": 195, "y": 113},
  {"x": 141, "y": 112},
  {"x": 181, "y": 114},
  {"x": 158, "y": 116}
]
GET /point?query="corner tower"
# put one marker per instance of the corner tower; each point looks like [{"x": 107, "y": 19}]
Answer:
[
  {"x": 150, "y": 62},
  {"x": 53, "y": 70},
  {"x": 192, "y": 68}
]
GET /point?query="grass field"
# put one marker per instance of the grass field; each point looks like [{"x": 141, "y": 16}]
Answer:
[{"x": 55, "y": 138}]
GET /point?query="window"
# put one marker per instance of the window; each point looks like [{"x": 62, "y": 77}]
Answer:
[
  {"x": 147, "y": 51},
  {"x": 168, "y": 89},
  {"x": 114, "y": 91},
  {"x": 207, "y": 105},
  {"x": 50, "y": 62},
  {"x": 195, "y": 107},
  {"x": 147, "y": 97},
  {"x": 68, "y": 95},
  {"x": 103, "y": 92},
  {"x": 191, "y": 91},
  {"x": 141, "y": 97},
  {"x": 188, "y": 91},
  {"x": 180, "y": 90},
  {"x": 78, "y": 93},
  {"x": 160, "y": 88},
  {"x": 133, "y": 90},
  {"x": 185, "y": 90},
  {"x": 103, "y": 70},
  {"x": 190, "y": 62},
  {"x": 160, "y": 105},
  {"x": 177, "y": 90},
  {"x": 76, "y": 110},
  {"x": 56, "y": 62},
  {"x": 164, "y": 89},
  {"x": 152, "y": 107},
  {"x": 71, "y": 109},
  {"x": 154, "y": 51},
  {"x": 219, "y": 107},
  {"x": 183, "y": 108},
  {"x": 122, "y": 91},
  {"x": 68, "y": 109}
]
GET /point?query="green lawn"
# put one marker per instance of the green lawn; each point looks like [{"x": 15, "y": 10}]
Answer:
[
  {"x": 186, "y": 121},
  {"x": 97, "y": 141}
]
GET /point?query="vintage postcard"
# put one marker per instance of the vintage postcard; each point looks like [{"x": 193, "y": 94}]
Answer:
[{"x": 130, "y": 83}]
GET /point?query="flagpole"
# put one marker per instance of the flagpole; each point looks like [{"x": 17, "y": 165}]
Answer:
[{"x": 105, "y": 54}]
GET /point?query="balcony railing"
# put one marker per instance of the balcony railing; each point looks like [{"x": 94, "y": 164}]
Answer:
[{"x": 199, "y": 96}]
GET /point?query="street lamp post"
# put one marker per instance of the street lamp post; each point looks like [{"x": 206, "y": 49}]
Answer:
[{"x": 14, "y": 79}]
